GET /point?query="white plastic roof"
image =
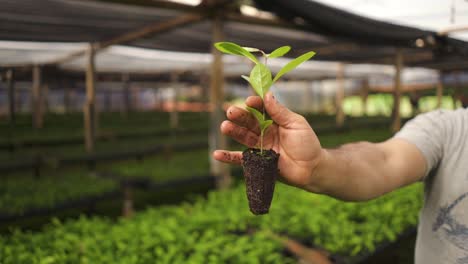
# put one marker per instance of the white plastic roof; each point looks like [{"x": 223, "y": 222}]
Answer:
[
  {"x": 125, "y": 59},
  {"x": 436, "y": 15}
]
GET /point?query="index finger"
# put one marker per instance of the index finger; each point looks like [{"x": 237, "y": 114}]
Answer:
[
  {"x": 254, "y": 102},
  {"x": 233, "y": 157}
]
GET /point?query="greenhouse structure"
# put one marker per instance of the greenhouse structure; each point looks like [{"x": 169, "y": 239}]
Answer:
[{"x": 110, "y": 111}]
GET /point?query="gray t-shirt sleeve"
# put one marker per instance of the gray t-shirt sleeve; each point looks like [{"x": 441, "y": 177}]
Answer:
[{"x": 427, "y": 133}]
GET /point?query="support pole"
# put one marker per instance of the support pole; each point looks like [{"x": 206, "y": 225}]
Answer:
[
  {"x": 135, "y": 97},
  {"x": 339, "y": 96},
  {"x": 457, "y": 92},
  {"x": 365, "y": 95},
  {"x": 454, "y": 98},
  {"x": 89, "y": 110},
  {"x": 216, "y": 139},
  {"x": 205, "y": 87},
  {"x": 159, "y": 100},
  {"x": 36, "y": 98},
  {"x": 45, "y": 96},
  {"x": 126, "y": 95},
  {"x": 322, "y": 103},
  {"x": 11, "y": 96},
  {"x": 462, "y": 95},
  {"x": 307, "y": 102},
  {"x": 174, "y": 115},
  {"x": 18, "y": 100},
  {"x": 72, "y": 101},
  {"x": 396, "y": 123},
  {"x": 108, "y": 100},
  {"x": 127, "y": 206},
  {"x": 439, "y": 91},
  {"x": 66, "y": 95}
]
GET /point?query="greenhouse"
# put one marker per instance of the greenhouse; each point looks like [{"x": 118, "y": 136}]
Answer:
[{"x": 123, "y": 125}]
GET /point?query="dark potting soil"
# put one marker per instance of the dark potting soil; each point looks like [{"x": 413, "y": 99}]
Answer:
[{"x": 260, "y": 173}]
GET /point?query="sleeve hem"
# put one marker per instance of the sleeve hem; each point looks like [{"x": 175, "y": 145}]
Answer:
[{"x": 421, "y": 150}]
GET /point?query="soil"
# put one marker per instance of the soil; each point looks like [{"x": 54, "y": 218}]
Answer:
[{"x": 260, "y": 173}]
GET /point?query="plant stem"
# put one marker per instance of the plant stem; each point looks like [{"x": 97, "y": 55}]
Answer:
[
  {"x": 261, "y": 143},
  {"x": 261, "y": 132},
  {"x": 263, "y": 113}
]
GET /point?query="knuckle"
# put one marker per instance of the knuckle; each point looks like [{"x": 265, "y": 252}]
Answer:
[
  {"x": 301, "y": 119},
  {"x": 278, "y": 111},
  {"x": 239, "y": 132},
  {"x": 252, "y": 141},
  {"x": 251, "y": 122}
]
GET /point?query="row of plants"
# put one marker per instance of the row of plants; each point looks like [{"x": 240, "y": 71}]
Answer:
[
  {"x": 114, "y": 145},
  {"x": 111, "y": 146},
  {"x": 162, "y": 168},
  {"x": 168, "y": 166},
  {"x": 221, "y": 229},
  {"x": 23, "y": 192},
  {"x": 20, "y": 193},
  {"x": 71, "y": 125},
  {"x": 106, "y": 118},
  {"x": 176, "y": 165}
]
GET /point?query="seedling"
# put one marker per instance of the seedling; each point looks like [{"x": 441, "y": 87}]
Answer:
[
  {"x": 261, "y": 166},
  {"x": 260, "y": 76}
]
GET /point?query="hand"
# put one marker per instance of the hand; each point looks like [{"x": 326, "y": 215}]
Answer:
[{"x": 290, "y": 135}]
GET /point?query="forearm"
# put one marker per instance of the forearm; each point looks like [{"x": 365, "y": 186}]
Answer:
[{"x": 353, "y": 172}]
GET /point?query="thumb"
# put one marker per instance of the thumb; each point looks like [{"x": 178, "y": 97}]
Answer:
[{"x": 280, "y": 114}]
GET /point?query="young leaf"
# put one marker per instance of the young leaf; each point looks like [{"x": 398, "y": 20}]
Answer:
[
  {"x": 260, "y": 79},
  {"x": 245, "y": 78},
  {"x": 293, "y": 64},
  {"x": 249, "y": 49},
  {"x": 265, "y": 124},
  {"x": 256, "y": 114},
  {"x": 234, "y": 49},
  {"x": 281, "y": 51}
]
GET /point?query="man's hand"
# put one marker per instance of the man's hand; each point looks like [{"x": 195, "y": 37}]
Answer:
[
  {"x": 291, "y": 136},
  {"x": 353, "y": 172}
]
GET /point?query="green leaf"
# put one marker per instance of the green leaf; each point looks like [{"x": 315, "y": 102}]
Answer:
[
  {"x": 255, "y": 113},
  {"x": 260, "y": 79},
  {"x": 234, "y": 49},
  {"x": 293, "y": 64},
  {"x": 264, "y": 125},
  {"x": 281, "y": 51}
]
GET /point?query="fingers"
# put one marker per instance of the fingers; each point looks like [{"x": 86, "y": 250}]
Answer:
[
  {"x": 240, "y": 134},
  {"x": 243, "y": 118},
  {"x": 255, "y": 102},
  {"x": 280, "y": 114},
  {"x": 232, "y": 157}
]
